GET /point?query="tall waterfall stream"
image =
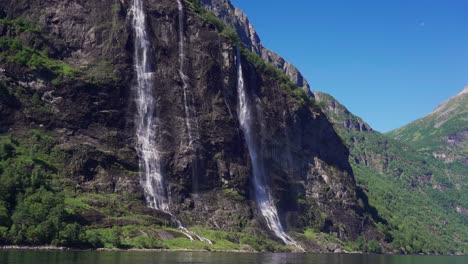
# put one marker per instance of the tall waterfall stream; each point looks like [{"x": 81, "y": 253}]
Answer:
[
  {"x": 263, "y": 195},
  {"x": 192, "y": 129},
  {"x": 146, "y": 127}
]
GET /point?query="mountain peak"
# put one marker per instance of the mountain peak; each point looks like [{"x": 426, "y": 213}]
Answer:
[
  {"x": 451, "y": 102},
  {"x": 464, "y": 91},
  {"x": 339, "y": 114},
  {"x": 443, "y": 133},
  {"x": 238, "y": 20}
]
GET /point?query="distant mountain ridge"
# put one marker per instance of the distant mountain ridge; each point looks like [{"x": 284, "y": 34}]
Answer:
[
  {"x": 443, "y": 133},
  {"x": 422, "y": 204}
]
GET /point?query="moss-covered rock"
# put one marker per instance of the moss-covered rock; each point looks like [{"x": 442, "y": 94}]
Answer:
[{"x": 70, "y": 75}]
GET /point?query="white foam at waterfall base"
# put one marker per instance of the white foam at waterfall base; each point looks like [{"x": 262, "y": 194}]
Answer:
[
  {"x": 152, "y": 179},
  {"x": 262, "y": 192}
]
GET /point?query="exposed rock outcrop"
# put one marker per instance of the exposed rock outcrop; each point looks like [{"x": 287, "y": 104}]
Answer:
[
  {"x": 91, "y": 115},
  {"x": 238, "y": 20},
  {"x": 339, "y": 114}
]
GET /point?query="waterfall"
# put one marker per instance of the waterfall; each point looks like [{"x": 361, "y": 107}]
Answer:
[
  {"x": 146, "y": 127},
  {"x": 152, "y": 180},
  {"x": 263, "y": 195},
  {"x": 191, "y": 123},
  {"x": 184, "y": 77},
  {"x": 191, "y": 131}
]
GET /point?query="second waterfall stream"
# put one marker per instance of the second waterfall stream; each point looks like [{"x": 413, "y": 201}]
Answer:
[
  {"x": 146, "y": 127},
  {"x": 192, "y": 130},
  {"x": 263, "y": 195}
]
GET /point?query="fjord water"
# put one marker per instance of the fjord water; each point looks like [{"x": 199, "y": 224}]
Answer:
[
  {"x": 30, "y": 257},
  {"x": 263, "y": 195}
]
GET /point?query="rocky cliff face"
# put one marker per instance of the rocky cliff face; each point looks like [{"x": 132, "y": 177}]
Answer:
[
  {"x": 85, "y": 102},
  {"x": 338, "y": 114},
  {"x": 239, "y": 21}
]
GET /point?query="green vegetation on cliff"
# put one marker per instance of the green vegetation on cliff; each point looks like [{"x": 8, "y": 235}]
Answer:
[
  {"x": 210, "y": 18},
  {"x": 13, "y": 50},
  {"x": 36, "y": 209},
  {"x": 74, "y": 180},
  {"x": 32, "y": 209},
  {"x": 442, "y": 134},
  {"x": 71, "y": 208},
  {"x": 412, "y": 193},
  {"x": 279, "y": 77}
]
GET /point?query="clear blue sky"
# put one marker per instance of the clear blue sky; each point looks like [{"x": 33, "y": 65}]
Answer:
[{"x": 389, "y": 61}]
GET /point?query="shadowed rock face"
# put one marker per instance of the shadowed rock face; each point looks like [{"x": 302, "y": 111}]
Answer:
[{"x": 92, "y": 117}]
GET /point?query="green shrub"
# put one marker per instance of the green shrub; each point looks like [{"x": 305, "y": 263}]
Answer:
[
  {"x": 6, "y": 151},
  {"x": 210, "y": 18},
  {"x": 372, "y": 246},
  {"x": 12, "y": 50},
  {"x": 278, "y": 76},
  {"x": 71, "y": 235},
  {"x": 116, "y": 8},
  {"x": 194, "y": 6},
  {"x": 101, "y": 73},
  {"x": 231, "y": 34},
  {"x": 4, "y": 215},
  {"x": 300, "y": 95},
  {"x": 233, "y": 194},
  {"x": 31, "y": 211},
  {"x": 36, "y": 99},
  {"x": 106, "y": 237},
  {"x": 37, "y": 218},
  {"x": 360, "y": 244},
  {"x": 10, "y": 44},
  {"x": 3, "y": 235},
  {"x": 19, "y": 25},
  {"x": 145, "y": 242},
  {"x": 93, "y": 237}
]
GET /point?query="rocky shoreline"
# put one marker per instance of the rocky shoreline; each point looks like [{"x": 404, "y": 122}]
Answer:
[
  {"x": 54, "y": 248},
  {"x": 35, "y": 248}
]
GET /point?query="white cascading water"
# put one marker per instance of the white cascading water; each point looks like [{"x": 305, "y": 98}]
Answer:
[
  {"x": 263, "y": 195},
  {"x": 183, "y": 76},
  {"x": 152, "y": 180}
]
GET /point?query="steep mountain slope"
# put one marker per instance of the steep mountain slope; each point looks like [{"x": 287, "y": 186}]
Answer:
[
  {"x": 238, "y": 20},
  {"x": 69, "y": 167},
  {"x": 443, "y": 133},
  {"x": 421, "y": 205}
]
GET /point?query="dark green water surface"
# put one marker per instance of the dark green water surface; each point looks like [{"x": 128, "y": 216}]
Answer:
[{"x": 30, "y": 257}]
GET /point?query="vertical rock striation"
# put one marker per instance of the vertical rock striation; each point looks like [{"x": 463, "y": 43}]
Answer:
[
  {"x": 93, "y": 117},
  {"x": 262, "y": 190},
  {"x": 146, "y": 128}
]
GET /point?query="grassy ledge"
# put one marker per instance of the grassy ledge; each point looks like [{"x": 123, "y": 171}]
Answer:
[{"x": 13, "y": 50}]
